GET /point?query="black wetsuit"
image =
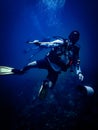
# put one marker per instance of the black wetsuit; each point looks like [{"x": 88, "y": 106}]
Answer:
[{"x": 54, "y": 56}]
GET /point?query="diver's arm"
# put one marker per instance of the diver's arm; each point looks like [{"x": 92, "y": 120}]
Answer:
[
  {"x": 78, "y": 70},
  {"x": 52, "y": 43},
  {"x": 47, "y": 44},
  {"x": 77, "y": 66},
  {"x": 79, "y": 73}
]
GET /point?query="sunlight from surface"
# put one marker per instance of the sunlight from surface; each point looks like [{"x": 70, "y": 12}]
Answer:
[{"x": 53, "y": 4}]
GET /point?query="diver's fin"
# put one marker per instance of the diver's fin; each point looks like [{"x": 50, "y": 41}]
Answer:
[
  {"x": 4, "y": 70},
  {"x": 43, "y": 92}
]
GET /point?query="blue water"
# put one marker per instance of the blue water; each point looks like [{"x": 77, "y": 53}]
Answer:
[{"x": 22, "y": 20}]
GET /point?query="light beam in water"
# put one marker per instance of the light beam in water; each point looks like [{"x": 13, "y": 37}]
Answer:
[{"x": 53, "y": 4}]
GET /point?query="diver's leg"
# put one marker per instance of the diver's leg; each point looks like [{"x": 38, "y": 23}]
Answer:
[
  {"x": 41, "y": 64},
  {"x": 29, "y": 66},
  {"x": 22, "y": 71},
  {"x": 48, "y": 83}
]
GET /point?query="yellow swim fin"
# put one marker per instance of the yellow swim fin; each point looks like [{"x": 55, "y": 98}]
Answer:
[{"x": 4, "y": 70}]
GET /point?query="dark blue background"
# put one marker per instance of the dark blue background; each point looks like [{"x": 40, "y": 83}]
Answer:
[{"x": 22, "y": 20}]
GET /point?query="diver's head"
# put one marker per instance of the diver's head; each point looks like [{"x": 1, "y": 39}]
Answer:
[{"x": 74, "y": 36}]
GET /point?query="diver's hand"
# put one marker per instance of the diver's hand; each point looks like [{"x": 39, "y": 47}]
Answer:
[
  {"x": 33, "y": 42},
  {"x": 36, "y": 42},
  {"x": 81, "y": 77}
]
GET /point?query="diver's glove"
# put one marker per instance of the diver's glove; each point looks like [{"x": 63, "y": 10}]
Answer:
[
  {"x": 81, "y": 77},
  {"x": 36, "y": 42}
]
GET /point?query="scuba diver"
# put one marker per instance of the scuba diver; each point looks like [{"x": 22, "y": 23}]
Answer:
[{"x": 64, "y": 54}]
